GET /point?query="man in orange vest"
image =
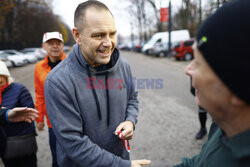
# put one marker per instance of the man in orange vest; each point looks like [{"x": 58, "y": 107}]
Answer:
[{"x": 52, "y": 43}]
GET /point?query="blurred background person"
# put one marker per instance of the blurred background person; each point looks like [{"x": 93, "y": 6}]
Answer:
[
  {"x": 21, "y": 146},
  {"x": 53, "y": 45},
  {"x": 202, "y": 118}
]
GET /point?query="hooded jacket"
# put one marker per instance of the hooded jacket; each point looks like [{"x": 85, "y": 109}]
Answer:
[{"x": 84, "y": 114}]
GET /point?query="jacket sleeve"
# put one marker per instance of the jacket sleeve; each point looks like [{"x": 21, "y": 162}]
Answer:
[
  {"x": 2, "y": 116},
  {"x": 67, "y": 125},
  {"x": 132, "y": 106},
  {"x": 40, "y": 101},
  {"x": 188, "y": 162}
]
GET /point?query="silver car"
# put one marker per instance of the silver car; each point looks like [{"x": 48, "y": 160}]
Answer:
[
  {"x": 15, "y": 60},
  {"x": 39, "y": 53},
  {"x": 4, "y": 58},
  {"x": 29, "y": 58}
]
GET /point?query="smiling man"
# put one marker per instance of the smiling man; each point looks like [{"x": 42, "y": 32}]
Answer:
[
  {"x": 93, "y": 125},
  {"x": 220, "y": 74},
  {"x": 53, "y": 45}
]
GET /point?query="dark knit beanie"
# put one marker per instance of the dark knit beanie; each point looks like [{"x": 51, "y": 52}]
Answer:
[{"x": 224, "y": 41}]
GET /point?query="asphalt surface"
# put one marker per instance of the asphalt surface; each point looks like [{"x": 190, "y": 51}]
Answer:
[{"x": 168, "y": 118}]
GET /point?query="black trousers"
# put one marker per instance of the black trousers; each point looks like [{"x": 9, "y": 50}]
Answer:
[
  {"x": 26, "y": 161},
  {"x": 52, "y": 144}
]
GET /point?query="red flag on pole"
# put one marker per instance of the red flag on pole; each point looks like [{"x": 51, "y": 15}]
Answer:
[{"x": 164, "y": 15}]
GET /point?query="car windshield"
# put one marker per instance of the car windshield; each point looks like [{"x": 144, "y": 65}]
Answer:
[
  {"x": 188, "y": 43},
  {"x": 153, "y": 40},
  {"x": 177, "y": 45},
  {"x": 26, "y": 51},
  {"x": 11, "y": 53},
  {"x": 4, "y": 55}
]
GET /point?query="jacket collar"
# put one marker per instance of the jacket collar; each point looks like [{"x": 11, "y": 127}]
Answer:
[
  {"x": 46, "y": 60},
  {"x": 112, "y": 66},
  {"x": 239, "y": 144}
]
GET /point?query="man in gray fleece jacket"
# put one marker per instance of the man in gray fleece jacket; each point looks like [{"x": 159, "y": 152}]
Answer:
[{"x": 90, "y": 95}]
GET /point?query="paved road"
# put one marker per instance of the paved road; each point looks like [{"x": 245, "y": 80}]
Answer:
[{"x": 168, "y": 117}]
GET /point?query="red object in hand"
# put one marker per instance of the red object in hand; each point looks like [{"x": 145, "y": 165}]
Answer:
[{"x": 124, "y": 141}]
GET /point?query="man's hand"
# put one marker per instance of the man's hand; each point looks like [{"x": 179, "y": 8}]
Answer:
[
  {"x": 139, "y": 163},
  {"x": 40, "y": 126},
  {"x": 20, "y": 114},
  {"x": 127, "y": 129}
]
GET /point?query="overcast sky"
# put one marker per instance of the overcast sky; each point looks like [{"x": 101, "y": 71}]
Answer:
[{"x": 66, "y": 9}]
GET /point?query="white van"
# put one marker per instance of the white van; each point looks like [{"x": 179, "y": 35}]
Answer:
[{"x": 159, "y": 41}]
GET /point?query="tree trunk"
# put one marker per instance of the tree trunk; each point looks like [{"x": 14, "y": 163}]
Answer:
[{"x": 200, "y": 12}]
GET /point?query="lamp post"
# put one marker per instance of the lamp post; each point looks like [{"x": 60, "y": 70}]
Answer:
[{"x": 169, "y": 30}]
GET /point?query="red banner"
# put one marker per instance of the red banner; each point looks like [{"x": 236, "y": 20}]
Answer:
[{"x": 164, "y": 15}]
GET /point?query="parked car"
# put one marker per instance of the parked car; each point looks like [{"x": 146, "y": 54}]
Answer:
[
  {"x": 138, "y": 47},
  {"x": 39, "y": 53},
  {"x": 29, "y": 58},
  {"x": 159, "y": 49},
  {"x": 4, "y": 58},
  {"x": 66, "y": 48},
  {"x": 15, "y": 60},
  {"x": 183, "y": 50},
  {"x": 124, "y": 46},
  {"x": 163, "y": 37}
]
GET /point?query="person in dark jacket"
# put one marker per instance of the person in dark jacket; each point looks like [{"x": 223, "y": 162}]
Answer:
[
  {"x": 16, "y": 95},
  {"x": 220, "y": 72},
  {"x": 90, "y": 98}
]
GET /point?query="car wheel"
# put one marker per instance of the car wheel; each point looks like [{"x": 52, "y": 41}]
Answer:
[
  {"x": 161, "y": 54},
  {"x": 147, "y": 52},
  {"x": 13, "y": 64},
  {"x": 188, "y": 56},
  {"x": 26, "y": 61},
  {"x": 177, "y": 58}
]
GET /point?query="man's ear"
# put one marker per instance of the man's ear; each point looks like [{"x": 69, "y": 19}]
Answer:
[
  {"x": 76, "y": 35},
  {"x": 237, "y": 101}
]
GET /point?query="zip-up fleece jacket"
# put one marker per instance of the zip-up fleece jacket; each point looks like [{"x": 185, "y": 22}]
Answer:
[
  {"x": 84, "y": 114},
  {"x": 220, "y": 151},
  {"x": 42, "y": 69}
]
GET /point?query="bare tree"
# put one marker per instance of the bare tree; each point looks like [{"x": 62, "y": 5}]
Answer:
[
  {"x": 26, "y": 21},
  {"x": 156, "y": 12},
  {"x": 221, "y": 2},
  {"x": 135, "y": 9},
  {"x": 188, "y": 16},
  {"x": 200, "y": 12}
]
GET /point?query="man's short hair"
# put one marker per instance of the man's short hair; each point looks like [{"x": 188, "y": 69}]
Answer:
[{"x": 82, "y": 8}]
